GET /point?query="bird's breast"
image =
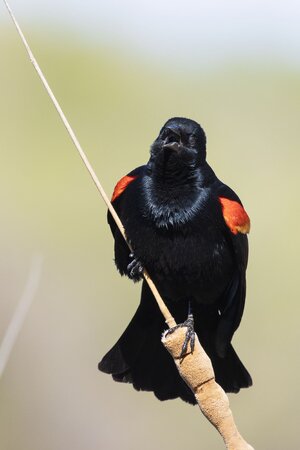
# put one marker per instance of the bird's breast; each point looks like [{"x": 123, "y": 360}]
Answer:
[{"x": 193, "y": 260}]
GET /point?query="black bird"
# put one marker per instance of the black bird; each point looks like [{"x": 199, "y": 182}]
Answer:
[{"x": 188, "y": 229}]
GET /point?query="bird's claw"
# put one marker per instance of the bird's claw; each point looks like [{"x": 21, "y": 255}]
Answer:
[
  {"x": 135, "y": 268},
  {"x": 189, "y": 336}
]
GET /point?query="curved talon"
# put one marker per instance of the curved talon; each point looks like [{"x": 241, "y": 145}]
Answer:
[
  {"x": 189, "y": 337},
  {"x": 135, "y": 268}
]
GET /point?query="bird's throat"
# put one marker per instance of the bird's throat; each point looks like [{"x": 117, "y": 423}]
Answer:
[{"x": 172, "y": 202}]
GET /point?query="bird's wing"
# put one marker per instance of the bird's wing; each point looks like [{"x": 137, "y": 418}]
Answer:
[
  {"x": 236, "y": 227},
  {"x": 122, "y": 200},
  {"x": 118, "y": 198}
]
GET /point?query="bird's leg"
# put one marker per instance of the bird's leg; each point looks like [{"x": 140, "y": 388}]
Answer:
[
  {"x": 190, "y": 333},
  {"x": 135, "y": 268}
]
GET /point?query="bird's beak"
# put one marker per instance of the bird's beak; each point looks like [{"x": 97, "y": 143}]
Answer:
[{"x": 171, "y": 146}]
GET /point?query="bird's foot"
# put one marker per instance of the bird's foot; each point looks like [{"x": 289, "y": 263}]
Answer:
[
  {"x": 135, "y": 269},
  {"x": 189, "y": 337}
]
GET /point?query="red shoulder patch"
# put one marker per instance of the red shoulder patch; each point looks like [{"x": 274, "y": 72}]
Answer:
[
  {"x": 122, "y": 185},
  {"x": 235, "y": 216}
]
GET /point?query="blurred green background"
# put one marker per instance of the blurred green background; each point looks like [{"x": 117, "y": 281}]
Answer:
[{"x": 52, "y": 396}]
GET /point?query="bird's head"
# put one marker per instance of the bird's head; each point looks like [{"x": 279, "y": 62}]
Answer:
[{"x": 180, "y": 143}]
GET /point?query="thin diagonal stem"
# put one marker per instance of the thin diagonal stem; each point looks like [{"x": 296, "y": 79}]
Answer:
[{"x": 162, "y": 306}]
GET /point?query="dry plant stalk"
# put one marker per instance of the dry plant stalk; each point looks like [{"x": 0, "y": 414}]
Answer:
[
  {"x": 162, "y": 306},
  {"x": 197, "y": 371},
  {"x": 195, "y": 368}
]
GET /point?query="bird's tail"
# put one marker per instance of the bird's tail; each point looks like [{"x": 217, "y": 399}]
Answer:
[{"x": 139, "y": 357}]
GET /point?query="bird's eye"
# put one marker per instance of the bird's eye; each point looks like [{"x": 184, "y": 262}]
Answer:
[{"x": 192, "y": 140}]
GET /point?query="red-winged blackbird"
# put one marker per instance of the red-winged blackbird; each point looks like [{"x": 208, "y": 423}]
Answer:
[{"x": 188, "y": 229}]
